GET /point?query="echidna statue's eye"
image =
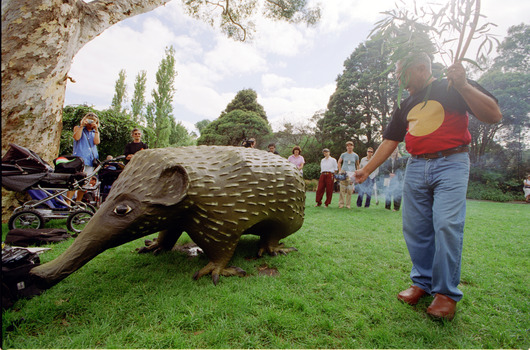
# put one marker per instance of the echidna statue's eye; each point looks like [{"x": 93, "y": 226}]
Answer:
[{"x": 122, "y": 209}]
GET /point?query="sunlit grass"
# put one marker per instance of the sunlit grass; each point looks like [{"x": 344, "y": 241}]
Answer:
[{"x": 337, "y": 291}]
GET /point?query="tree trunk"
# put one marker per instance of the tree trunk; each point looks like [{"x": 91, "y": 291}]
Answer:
[{"x": 39, "y": 42}]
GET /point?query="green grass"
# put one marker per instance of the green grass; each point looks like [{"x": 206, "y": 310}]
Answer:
[{"x": 338, "y": 291}]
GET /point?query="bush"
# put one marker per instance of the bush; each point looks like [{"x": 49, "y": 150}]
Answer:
[
  {"x": 478, "y": 190},
  {"x": 311, "y": 171},
  {"x": 311, "y": 185}
]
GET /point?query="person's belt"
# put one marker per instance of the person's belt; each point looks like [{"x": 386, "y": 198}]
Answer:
[
  {"x": 444, "y": 153},
  {"x": 327, "y": 172}
]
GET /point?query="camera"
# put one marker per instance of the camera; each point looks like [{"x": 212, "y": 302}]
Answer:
[
  {"x": 90, "y": 121},
  {"x": 247, "y": 143}
]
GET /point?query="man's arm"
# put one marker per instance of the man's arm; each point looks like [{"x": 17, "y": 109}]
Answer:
[
  {"x": 483, "y": 107},
  {"x": 339, "y": 163},
  {"x": 383, "y": 152}
]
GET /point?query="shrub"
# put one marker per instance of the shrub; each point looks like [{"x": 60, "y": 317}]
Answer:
[
  {"x": 478, "y": 190},
  {"x": 311, "y": 185},
  {"x": 311, "y": 171}
]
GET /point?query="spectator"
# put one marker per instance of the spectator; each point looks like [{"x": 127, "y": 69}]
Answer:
[
  {"x": 433, "y": 120},
  {"x": 393, "y": 169},
  {"x": 348, "y": 163},
  {"x": 526, "y": 188},
  {"x": 367, "y": 187},
  {"x": 297, "y": 159},
  {"x": 86, "y": 138},
  {"x": 136, "y": 145},
  {"x": 328, "y": 168},
  {"x": 90, "y": 194},
  {"x": 272, "y": 148}
]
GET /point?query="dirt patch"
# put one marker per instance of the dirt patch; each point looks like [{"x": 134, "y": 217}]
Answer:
[{"x": 265, "y": 270}]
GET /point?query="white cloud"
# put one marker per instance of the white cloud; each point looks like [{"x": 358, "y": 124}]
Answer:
[
  {"x": 271, "y": 82},
  {"x": 295, "y": 103},
  {"x": 232, "y": 58},
  {"x": 203, "y": 101},
  {"x": 282, "y": 38},
  {"x": 288, "y": 60}
]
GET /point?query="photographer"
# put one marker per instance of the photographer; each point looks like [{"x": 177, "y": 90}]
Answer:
[
  {"x": 86, "y": 139},
  {"x": 250, "y": 143}
]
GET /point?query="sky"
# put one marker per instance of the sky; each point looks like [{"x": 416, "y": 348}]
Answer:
[{"x": 292, "y": 68}]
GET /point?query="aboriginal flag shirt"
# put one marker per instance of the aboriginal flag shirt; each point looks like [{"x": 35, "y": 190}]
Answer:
[{"x": 433, "y": 120}]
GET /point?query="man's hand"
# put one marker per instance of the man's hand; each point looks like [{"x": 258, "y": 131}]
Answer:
[
  {"x": 456, "y": 74},
  {"x": 360, "y": 176}
]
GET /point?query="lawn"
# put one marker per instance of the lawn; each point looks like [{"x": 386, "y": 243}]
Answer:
[{"x": 338, "y": 291}]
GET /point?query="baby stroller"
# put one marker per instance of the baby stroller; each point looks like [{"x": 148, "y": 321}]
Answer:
[
  {"x": 107, "y": 175},
  {"x": 24, "y": 170}
]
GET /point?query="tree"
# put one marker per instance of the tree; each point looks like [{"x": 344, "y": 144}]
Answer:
[
  {"x": 361, "y": 105},
  {"x": 163, "y": 98},
  {"x": 234, "y": 127},
  {"x": 238, "y": 122},
  {"x": 246, "y": 100},
  {"x": 38, "y": 45},
  {"x": 120, "y": 92},
  {"x": 179, "y": 136},
  {"x": 514, "y": 51},
  {"x": 200, "y": 125},
  {"x": 509, "y": 81},
  {"x": 40, "y": 40},
  {"x": 138, "y": 101}
]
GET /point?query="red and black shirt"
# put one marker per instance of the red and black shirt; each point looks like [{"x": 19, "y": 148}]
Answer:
[{"x": 433, "y": 120}]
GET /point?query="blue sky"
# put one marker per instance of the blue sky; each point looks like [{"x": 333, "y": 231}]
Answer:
[{"x": 292, "y": 67}]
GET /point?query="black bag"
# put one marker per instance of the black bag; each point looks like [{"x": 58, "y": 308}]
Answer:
[
  {"x": 16, "y": 281},
  {"x": 74, "y": 164},
  {"x": 25, "y": 237}
]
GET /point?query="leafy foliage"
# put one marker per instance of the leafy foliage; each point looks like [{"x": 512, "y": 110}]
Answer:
[
  {"x": 200, "y": 125},
  {"x": 138, "y": 101},
  {"x": 120, "y": 94},
  {"x": 242, "y": 119},
  {"x": 246, "y": 100},
  {"x": 236, "y": 18},
  {"x": 312, "y": 171},
  {"x": 361, "y": 105},
  {"x": 161, "y": 111},
  {"x": 234, "y": 127}
]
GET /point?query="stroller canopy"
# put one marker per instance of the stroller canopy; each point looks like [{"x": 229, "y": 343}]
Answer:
[{"x": 22, "y": 168}]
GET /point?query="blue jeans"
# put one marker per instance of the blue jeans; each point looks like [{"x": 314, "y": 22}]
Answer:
[
  {"x": 434, "y": 210},
  {"x": 366, "y": 188}
]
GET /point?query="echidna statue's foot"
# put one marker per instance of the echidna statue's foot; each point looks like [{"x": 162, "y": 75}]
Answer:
[
  {"x": 275, "y": 249},
  {"x": 217, "y": 270}
]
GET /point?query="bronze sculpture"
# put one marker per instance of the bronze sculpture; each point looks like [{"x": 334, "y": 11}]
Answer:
[{"x": 214, "y": 193}]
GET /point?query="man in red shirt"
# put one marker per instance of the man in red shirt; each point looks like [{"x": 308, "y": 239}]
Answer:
[{"x": 433, "y": 122}]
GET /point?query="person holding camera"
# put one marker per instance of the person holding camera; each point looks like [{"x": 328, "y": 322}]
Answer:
[{"x": 86, "y": 139}]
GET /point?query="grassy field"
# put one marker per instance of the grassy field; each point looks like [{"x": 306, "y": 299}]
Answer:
[{"x": 338, "y": 291}]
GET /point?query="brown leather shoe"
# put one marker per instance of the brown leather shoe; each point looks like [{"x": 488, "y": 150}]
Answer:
[
  {"x": 412, "y": 295},
  {"x": 442, "y": 307}
]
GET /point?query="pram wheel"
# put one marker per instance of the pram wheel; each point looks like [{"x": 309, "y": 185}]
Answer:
[
  {"x": 77, "y": 221},
  {"x": 85, "y": 206},
  {"x": 26, "y": 219}
]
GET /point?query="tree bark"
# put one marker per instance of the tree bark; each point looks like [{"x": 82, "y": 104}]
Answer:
[{"x": 39, "y": 42}]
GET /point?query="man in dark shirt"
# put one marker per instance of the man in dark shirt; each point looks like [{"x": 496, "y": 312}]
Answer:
[
  {"x": 132, "y": 147},
  {"x": 433, "y": 121}
]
